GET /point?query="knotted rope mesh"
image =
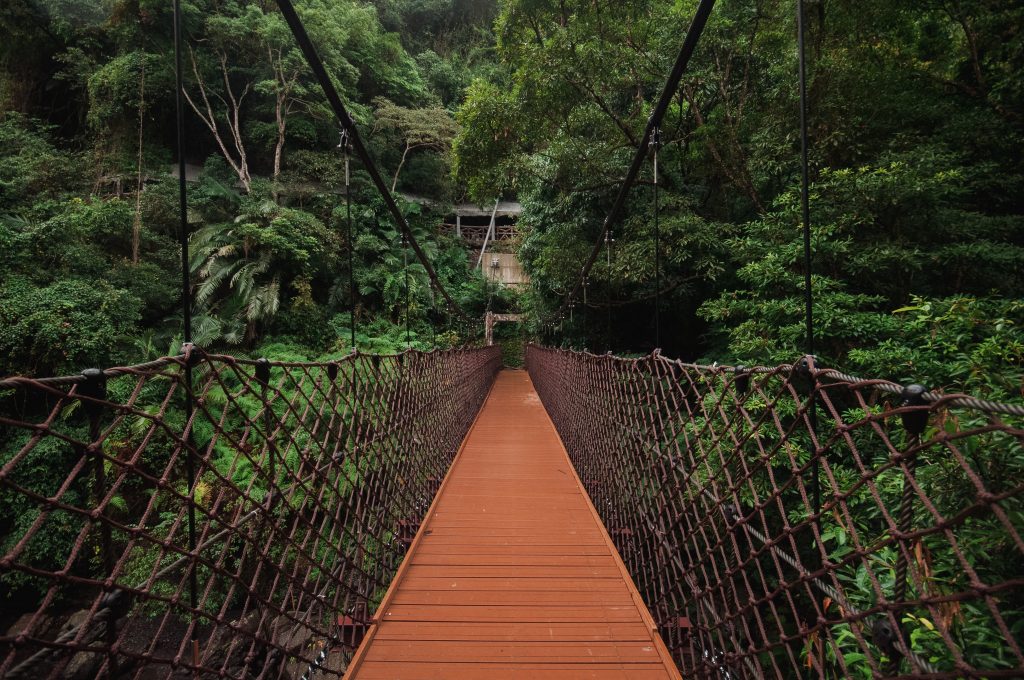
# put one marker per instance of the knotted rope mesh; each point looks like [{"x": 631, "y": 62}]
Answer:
[
  {"x": 309, "y": 482},
  {"x": 795, "y": 522}
]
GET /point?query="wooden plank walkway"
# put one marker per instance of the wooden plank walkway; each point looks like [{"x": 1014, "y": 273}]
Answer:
[{"x": 512, "y": 575}]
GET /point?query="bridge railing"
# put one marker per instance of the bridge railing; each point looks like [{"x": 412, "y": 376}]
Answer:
[
  {"x": 249, "y": 535},
  {"x": 797, "y": 522}
]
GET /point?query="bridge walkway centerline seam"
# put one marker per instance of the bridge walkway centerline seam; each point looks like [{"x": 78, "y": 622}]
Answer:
[{"x": 512, "y": 572}]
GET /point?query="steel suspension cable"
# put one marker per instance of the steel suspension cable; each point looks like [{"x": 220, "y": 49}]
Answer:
[
  {"x": 347, "y": 146},
  {"x": 655, "y": 145},
  {"x": 805, "y": 206},
  {"x": 693, "y": 35},
  {"x": 609, "y": 241},
  {"x": 341, "y": 112},
  {"x": 585, "y": 303},
  {"x": 405, "y": 269}
]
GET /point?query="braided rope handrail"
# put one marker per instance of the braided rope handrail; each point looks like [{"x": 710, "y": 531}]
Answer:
[{"x": 953, "y": 400}]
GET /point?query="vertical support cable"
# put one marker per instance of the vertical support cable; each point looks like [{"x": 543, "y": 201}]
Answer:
[
  {"x": 609, "y": 239},
  {"x": 405, "y": 266},
  {"x": 585, "y": 303},
  {"x": 435, "y": 320},
  {"x": 805, "y": 205},
  {"x": 95, "y": 391},
  {"x": 346, "y": 145},
  {"x": 914, "y": 424},
  {"x": 186, "y": 306},
  {"x": 655, "y": 145},
  {"x": 263, "y": 379},
  {"x": 488, "y": 291},
  {"x": 186, "y": 311},
  {"x": 805, "y": 183}
]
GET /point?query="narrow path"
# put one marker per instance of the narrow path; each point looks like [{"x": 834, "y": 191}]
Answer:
[{"x": 512, "y": 575}]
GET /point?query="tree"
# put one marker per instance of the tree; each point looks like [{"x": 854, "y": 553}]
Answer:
[
  {"x": 226, "y": 34},
  {"x": 427, "y": 128},
  {"x": 243, "y": 266}
]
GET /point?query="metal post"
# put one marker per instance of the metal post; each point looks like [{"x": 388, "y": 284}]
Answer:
[
  {"x": 489, "y": 235},
  {"x": 263, "y": 378},
  {"x": 186, "y": 310},
  {"x": 95, "y": 391},
  {"x": 186, "y": 306},
  {"x": 914, "y": 423},
  {"x": 434, "y": 321},
  {"x": 806, "y": 216}
]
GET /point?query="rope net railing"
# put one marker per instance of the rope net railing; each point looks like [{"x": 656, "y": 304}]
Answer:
[
  {"x": 879, "y": 537},
  {"x": 308, "y": 482}
]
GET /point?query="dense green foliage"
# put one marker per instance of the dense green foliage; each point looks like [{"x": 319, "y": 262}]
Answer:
[
  {"x": 88, "y": 206},
  {"x": 916, "y": 127},
  {"x": 916, "y": 114}
]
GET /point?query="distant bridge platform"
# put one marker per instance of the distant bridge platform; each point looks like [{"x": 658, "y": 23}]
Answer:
[{"x": 512, "y": 574}]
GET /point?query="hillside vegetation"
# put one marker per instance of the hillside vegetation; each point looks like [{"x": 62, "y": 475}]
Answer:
[{"x": 917, "y": 114}]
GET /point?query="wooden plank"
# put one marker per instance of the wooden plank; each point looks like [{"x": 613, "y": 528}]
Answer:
[
  {"x": 547, "y": 572},
  {"x": 511, "y": 540},
  {"x": 514, "y": 584},
  {"x": 427, "y": 549},
  {"x": 544, "y": 614},
  {"x": 483, "y": 671},
  {"x": 485, "y": 651},
  {"x": 511, "y": 560},
  {"x": 513, "y": 631},
  {"x": 522, "y": 598}
]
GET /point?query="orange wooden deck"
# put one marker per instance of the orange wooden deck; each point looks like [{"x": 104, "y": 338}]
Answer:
[{"x": 512, "y": 574}]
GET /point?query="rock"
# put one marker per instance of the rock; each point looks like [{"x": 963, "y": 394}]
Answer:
[
  {"x": 229, "y": 649},
  {"x": 75, "y": 620},
  {"x": 83, "y": 665},
  {"x": 21, "y": 625},
  {"x": 292, "y": 637}
]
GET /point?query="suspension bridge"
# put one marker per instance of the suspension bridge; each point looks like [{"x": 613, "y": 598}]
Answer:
[{"x": 433, "y": 515}]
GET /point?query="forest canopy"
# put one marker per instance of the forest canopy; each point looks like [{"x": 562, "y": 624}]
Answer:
[{"x": 916, "y": 115}]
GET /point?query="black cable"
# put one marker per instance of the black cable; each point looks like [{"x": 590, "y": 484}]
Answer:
[
  {"x": 186, "y": 301},
  {"x": 805, "y": 184},
  {"x": 609, "y": 241},
  {"x": 347, "y": 146},
  {"x": 186, "y": 311},
  {"x": 655, "y": 144},
  {"x": 805, "y": 204},
  {"x": 585, "y": 302},
  {"x": 405, "y": 267}
]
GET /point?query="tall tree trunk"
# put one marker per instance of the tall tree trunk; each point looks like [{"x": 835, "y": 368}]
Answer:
[
  {"x": 232, "y": 116},
  {"x": 405, "y": 154}
]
